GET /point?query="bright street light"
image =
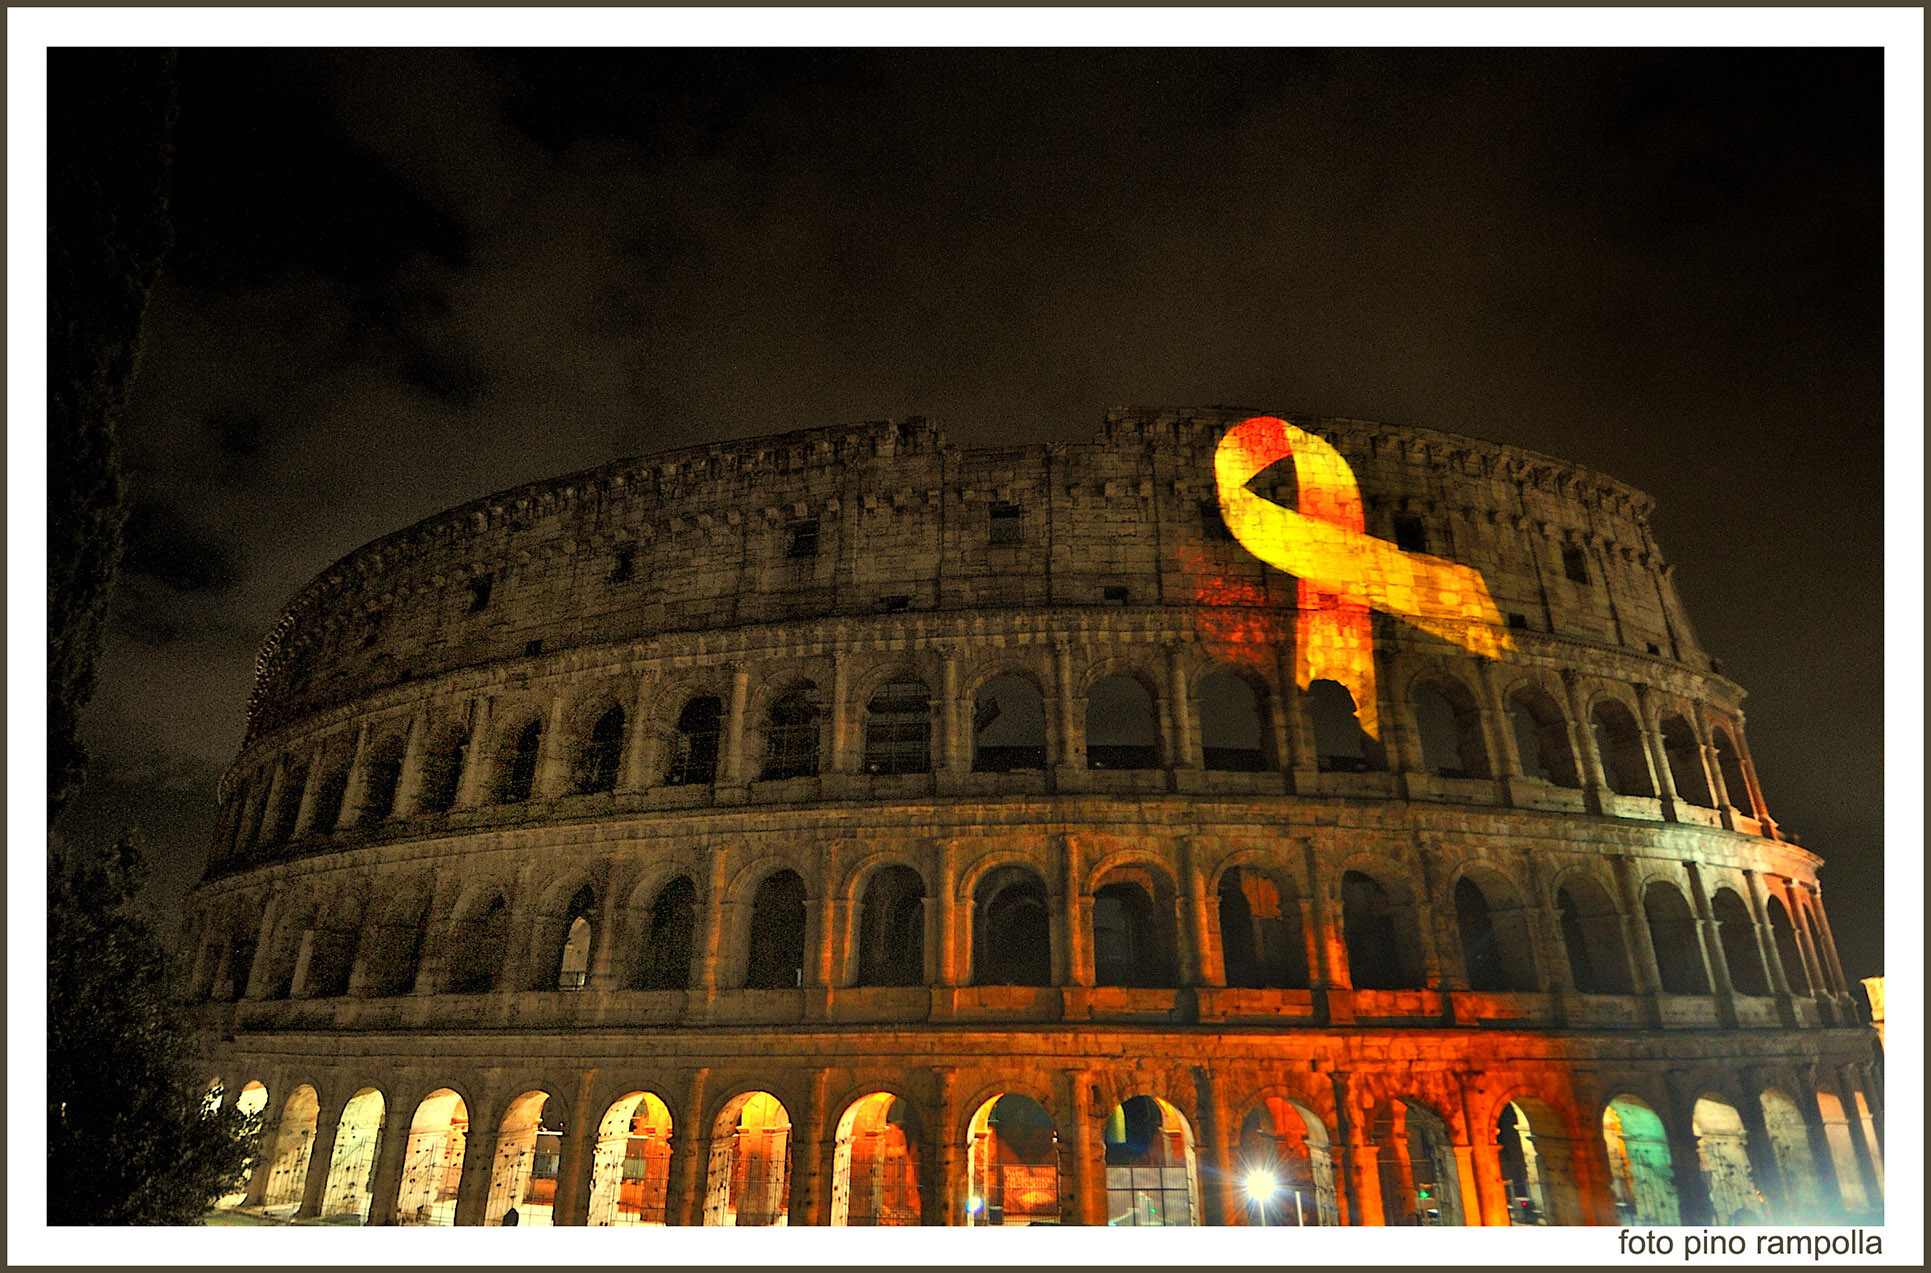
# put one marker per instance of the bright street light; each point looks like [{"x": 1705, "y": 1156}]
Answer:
[{"x": 1261, "y": 1186}]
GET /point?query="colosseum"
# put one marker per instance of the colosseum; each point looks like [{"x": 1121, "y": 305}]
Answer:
[{"x": 847, "y": 828}]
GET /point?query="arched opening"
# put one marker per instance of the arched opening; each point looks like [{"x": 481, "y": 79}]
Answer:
[
  {"x": 1498, "y": 950},
  {"x": 602, "y": 752},
  {"x": 1261, "y": 940},
  {"x": 1285, "y": 1168},
  {"x": 381, "y": 775},
  {"x": 665, "y": 963},
  {"x": 1685, "y": 757},
  {"x": 1672, "y": 932},
  {"x": 630, "y": 1173},
  {"x": 477, "y": 945},
  {"x": 1843, "y": 1152},
  {"x": 1783, "y": 1124},
  {"x": 1449, "y": 724},
  {"x": 1542, "y": 737},
  {"x": 241, "y": 963},
  {"x": 875, "y": 1164},
  {"x": 1133, "y": 939},
  {"x": 1789, "y": 954},
  {"x": 1340, "y": 746},
  {"x": 776, "y": 960},
  {"x": 694, "y": 746},
  {"x": 1420, "y": 1180},
  {"x": 442, "y": 771},
  {"x": 1639, "y": 1163},
  {"x": 330, "y": 786},
  {"x": 358, "y": 1137},
  {"x": 1122, "y": 728},
  {"x": 1151, "y": 1177},
  {"x": 518, "y": 780},
  {"x": 1730, "y": 765},
  {"x": 432, "y": 1167},
  {"x": 1232, "y": 736},
  {"x": 393, "y": 954},
  {"x": 1537, "y": 1174},
  {"x": 791, "y": 736},
  {"x": 898, "y": 729},
  {"x": 331, "y": 955},
  {"x": 1011, "y": 929},
  {"x": 1382, "y": 935},
  {"x": 287, "y": 805},
  {"x": 529, "y": 1145},
  {"x": 573, "y": 960},
  {"x": 288, "y": 1162},
  {"x": 750, "y": 1169},
  {"x": 250, "y": 1104},
  {"x": 1724, "y": 1160},
  {"x": 1738, "y": 935},
  {"x": 1012, "y": 1164},
  {"x": 1592, "y": 937},
  {"x": 1619, "y": 744},
  {"x": 1008, "y": 726},
  {"x": 891, "y": 929}
]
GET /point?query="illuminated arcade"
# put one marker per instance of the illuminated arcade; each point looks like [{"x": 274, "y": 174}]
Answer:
[{"x": 1230, "y": 821}]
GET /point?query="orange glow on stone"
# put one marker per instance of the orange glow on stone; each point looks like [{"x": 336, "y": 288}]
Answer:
[{"x": 1340, "y": 569}]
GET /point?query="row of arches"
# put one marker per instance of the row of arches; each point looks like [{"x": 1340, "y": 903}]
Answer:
[
  {"x": 1134, "y": 923},
  {"x": 1015, "y": 1162},
  {"x": 1445, "y": 725}
]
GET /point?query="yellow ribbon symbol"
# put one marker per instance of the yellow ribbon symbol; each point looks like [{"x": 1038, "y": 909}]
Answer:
[{"x": 1341, "y": 569}]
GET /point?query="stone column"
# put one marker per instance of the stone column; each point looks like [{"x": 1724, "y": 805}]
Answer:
[
  {"x": 735, "y": 764},
  {"x": 1218, "y": 1196},
  {"x": 1085, "y": 1201},
  {"x": 638, "y": 766},
  {"x": 479, "y": 1165},
  {"x": 1807, "y": 947},
  {"x": 1867, "y": 1165},
  {"x": 305, "y": 811},
  {"x": 1485, "y": 1195},
  {"x": 1072, "y": 738},
  {"x": 1662, "y": 778},
  {"x": 1766, "y": 945},
  {"x": 409, "y": 779},
  {"x": 955, "y": 750},
  {"x": 553, "y": 765},
  {"x": 328, "y": 1119},
  {"x": 1183, "y": 748},
  {"x": 821, "y": 930},
  {"x": 576, "y": 1158},
  {"x": 1359, "y": 1166},
  {"x": 710, "y": 952},
  {"x": 1296, "y": 733},
  {"x": 385, "y": 1184},
  {"x": 604, "y": 972},
  {"x": 1496, "y": 719},
  {"x": 944, "y": 1204},
  {"x": 1327, "y": 963},
  {"x": 469, "y": 792},
  {"x": 1692, "y": 1191},
  {"x": 1764, "y": 1167},
  {"x": 1822, "y": 1160},
  {"x": 357, "y": 781},
  {"x": 1203, "y": 962},
  {"x": 1076, "y": 965},
  {"x": 843, "y": 759},
  {"x": 1595, "y": 783},
  {"x": 942, "y": 914},
  {"x": 1715, "y": 962},
  {"x": 811, "y": 1165},
  {"x": 1649, "y": 977},
  {"x": 1840, "y": 985},
  {"x": 690, "y": 1156}
]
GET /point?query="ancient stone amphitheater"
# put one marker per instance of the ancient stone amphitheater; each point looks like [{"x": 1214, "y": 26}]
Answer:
[{"x": 847, "y": 828}]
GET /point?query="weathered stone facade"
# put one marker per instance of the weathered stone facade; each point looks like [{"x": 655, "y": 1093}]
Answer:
[{"x": 590, "y": 808}]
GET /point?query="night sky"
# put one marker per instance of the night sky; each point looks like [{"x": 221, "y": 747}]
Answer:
[{"x": 402, "y": 280}]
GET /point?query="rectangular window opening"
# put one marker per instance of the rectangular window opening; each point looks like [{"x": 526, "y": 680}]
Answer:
[
  {"x": 533, "y": 648},
  {"x": 1575, "y": 565},
  {"x": 623, "y": 567},
  {"x": 1003, "y": 520},
  {"x": 803, "y": 539},
  {"x": 1116, "y": 595},
  {"x": 895, "y": 605},
  {"x": 1213, "y": 526},
  {"x": 479, "y": 589},
  {"x": 1518, "y": 621},
  {"x": 1410, "y": 535}
]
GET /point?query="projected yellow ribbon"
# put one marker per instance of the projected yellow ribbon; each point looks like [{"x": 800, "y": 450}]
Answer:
[{"x": 1342, "y": 570}]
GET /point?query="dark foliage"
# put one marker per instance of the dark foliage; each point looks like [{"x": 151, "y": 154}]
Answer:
[{"x": 129, "y": 1140}]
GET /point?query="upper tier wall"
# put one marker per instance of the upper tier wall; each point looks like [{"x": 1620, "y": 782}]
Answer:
[{"x": 710, "y": 537}]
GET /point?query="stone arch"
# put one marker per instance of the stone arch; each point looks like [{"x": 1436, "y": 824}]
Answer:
[
  {"x": 250, "y": 1102},
  {"x": 1262, "y": 929},
  {"x": 445, "y": 756},
  {"x": 1685, "y": 756},
  {"x": 1009, "y": 729},
  {"x": 280, "y": 826},
  {"x": 1012, "y": 1160},
  {"x": 1011, "y": 926},
  {"x": 565, "y": 920},
  {"x": 1235, "y": 721},
  {"x": 876, "y": 1163},
  {"x": 899, "y": 725},
  {"x": 1537, "y": 1152},
  {"x": 392, "y": 945},
  {"x": 278, "y": 957},
  {"x": 358, "y": 1140},
  {"x": 890, "y": 945},
  {"x": 1133, "y": 935},
  {"x": 1784, "y": 936},
  {"x": 775, "y": 940},
  {"x": 1340, "y": 744},
  {"x": 1619, "y": 745},
  {"x": 523, "y": 1173},
  {"x": 1380, "y": 928},
  {"x": 1285, "y": 1166},
  {"x": 1729, "y": 763},
  {"x": 1420, "y": 1178},
  {"x": 1122, "y": 721},
  {"x": 1843, "y": 1153},
  {"x": 432, "y": 1167},
  {"x": 1492, "y": 922},
  {"x": 1737, "y": 934},
  {"x": 668, "y": 937},
  {"x": 1152, "y": 1170},
  {"x": 517, "y": 757},
  {"x": 1592, "y": 935},
  {"x": 381, "y": 778},
  {"x": 630, "y": 1166},
  {"x": 792, "y": 729},
  {"x": 1448, "y": 725},
  {"x": 597, "y": 756},
  {"x": 696, "y": 742},
  {"x": 330, "y": 783},
  {"x": 1541, "y": 729},
  {"x": 332, "y": 939},
  {"x": 1724, "y": 1160},
  {"x": 1640, "y": 1173},
  {"x": 749, "y": 1174},
  {"x": 288, "y": 1161},
  {"x": 1783, "y": 1122},
  {"x": 478, "y": 941},
  {"x": 1673, "y": 934}
]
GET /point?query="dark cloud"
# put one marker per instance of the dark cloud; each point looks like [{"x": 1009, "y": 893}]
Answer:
[{"x": 165, "y": 547}]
